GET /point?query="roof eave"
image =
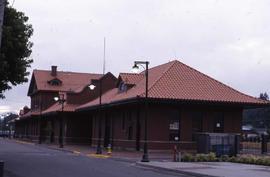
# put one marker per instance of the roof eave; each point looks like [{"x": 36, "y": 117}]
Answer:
[
  {"x": 115, "y": 103},
  {"x": 176, "y": 101}
]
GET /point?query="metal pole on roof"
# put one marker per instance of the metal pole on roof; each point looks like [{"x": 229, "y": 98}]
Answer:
[
  {"x": 104, "y": 55},
  {"x": 99, "y": 150}
]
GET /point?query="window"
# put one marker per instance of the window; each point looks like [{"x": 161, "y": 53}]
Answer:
[
  {"x": 55, "y": 82},
  {"x": 122, "y": 87},
  {"x": 174, "y": 130},
  {"x": 174, "y": 125}
]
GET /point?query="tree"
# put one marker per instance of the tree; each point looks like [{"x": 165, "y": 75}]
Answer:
[
  {"x": 264, "y": 96},
  {"x": 15, "y": 50},
  {"x": 259, "y": 117}
]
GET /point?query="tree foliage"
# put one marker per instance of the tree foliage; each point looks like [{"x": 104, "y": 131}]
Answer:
[
  {"x": 264, "y": 96},
  {"x": 15, "y": 49},
  {"x": 260, "y": 117}
]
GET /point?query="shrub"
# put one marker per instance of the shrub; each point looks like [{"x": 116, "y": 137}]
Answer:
[
  {"x": 212, "y": 157},
  {"x": 201, "y": 157},
  {"x": 188, "y": 158},
  {"x": 251, "y": 159},
  {"x": 232, "y": 159},
  {"x": 225, "y": 158},
  {"x": 266, "y": 161},
  {"x": 260, "y": 161}
]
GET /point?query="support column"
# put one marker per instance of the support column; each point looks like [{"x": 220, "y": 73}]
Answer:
[{"x": 39, "y": 130}]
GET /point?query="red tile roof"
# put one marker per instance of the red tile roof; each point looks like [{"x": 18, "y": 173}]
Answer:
[
  {"x": 57, "y": 107},
  {"x": 177, "y": 81},
  {"x": 71, "y": 81},
  {"x": 29, "y": 114}
]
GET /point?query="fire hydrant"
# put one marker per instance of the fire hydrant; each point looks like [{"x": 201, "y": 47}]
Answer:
[{"x": 109, "y": 150}]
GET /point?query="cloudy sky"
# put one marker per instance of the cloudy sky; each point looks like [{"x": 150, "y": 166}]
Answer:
[{"x": 226, "y": 39}]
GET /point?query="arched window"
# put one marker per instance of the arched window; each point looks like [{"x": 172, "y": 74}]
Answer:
[{"x": 55, "y": 82}]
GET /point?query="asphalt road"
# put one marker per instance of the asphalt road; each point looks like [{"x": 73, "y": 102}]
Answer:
[{"x": 26, "y": 160}]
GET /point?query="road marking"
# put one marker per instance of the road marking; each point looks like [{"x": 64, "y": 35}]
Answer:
[
  {"x": 23, "y": 142},
  {"x": 99, "y": 156},
  {"x": 76, "y": 152}
]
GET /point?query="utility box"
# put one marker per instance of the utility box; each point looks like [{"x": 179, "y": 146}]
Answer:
[{"x": 219, "y": 143}]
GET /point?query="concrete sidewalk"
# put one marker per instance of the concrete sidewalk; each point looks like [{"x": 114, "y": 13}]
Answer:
[
  {"x": 217, "y": 169},
  {"x": 124, "y": 155}
]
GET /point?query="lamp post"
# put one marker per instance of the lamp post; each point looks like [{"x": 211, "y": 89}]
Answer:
[
  {"x": 92, "y": 87},
  {"x": 61, "y": 100},
  {"x": 135, "y": 68}
]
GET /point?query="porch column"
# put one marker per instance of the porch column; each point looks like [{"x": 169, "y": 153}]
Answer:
[{"x": 39, "y": 131}]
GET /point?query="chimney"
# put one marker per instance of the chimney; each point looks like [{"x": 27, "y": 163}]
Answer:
[{"x": 54, "y": 71}]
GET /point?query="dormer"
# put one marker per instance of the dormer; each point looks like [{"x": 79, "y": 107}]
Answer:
[{"x": 128, "y": 80}]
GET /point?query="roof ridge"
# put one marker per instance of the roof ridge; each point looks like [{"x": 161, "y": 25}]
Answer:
[
  {"x": 37, "y": 70},
  {"x": 167, "y": 69},
  {"x": 173, "y": 61},
  {"x": 131, "y": 73},
  {"x": 209, "y": 77}
]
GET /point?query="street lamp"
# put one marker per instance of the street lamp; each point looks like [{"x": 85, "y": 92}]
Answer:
[
  {"x": 135, "y": 68},
  {"x": 92, "y": 87},
  {"x": 61, "y": 100}
]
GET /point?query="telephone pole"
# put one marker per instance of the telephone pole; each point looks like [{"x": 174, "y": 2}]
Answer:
[{"x": 2, "y": 9}]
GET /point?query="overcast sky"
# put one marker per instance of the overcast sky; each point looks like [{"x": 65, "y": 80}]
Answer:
[{"x": 228, "y": 40}]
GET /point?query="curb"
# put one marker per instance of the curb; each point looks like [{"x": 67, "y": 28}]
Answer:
[
  {"x": 175, "y": 170},
  {"x": 45, "y": 146},
  {"x": 100, "y": 156},
  {"x": 57, "y": 149},
  {"x": 123, "y": 159},
  {"x": 24, "y": 142}
]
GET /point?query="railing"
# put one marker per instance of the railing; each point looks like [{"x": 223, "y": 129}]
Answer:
[
  {"x": 256, "y": 145},
  {"x": 219, "y": 143}
]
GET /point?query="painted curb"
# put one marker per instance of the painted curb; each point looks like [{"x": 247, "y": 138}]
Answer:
[
  {"x": 174, "y": 170},
  {"x": 101, "y": 156}
]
